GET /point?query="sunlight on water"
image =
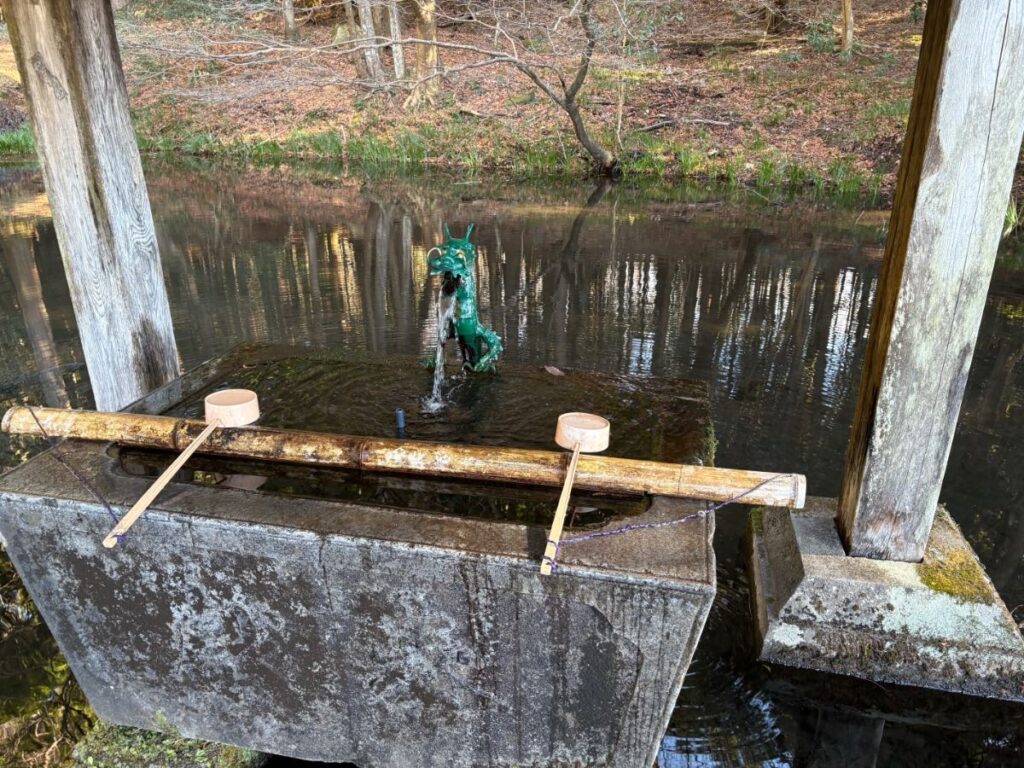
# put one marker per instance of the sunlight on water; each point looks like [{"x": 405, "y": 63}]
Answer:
[{"x": 769, "y": 305}]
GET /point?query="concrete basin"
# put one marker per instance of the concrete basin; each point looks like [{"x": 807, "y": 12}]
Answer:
[{"x": 334, "y": 630}]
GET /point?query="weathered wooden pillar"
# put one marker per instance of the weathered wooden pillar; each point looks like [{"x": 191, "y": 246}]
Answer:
[
  {"x": 965, "y": 131},
  {"x": 71, "y": 72}
]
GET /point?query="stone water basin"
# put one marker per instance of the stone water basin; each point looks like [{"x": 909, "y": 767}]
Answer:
[{"x": 378, "y": 619}]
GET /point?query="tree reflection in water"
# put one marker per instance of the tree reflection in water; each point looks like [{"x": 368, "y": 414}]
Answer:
[{"x": 770, "y": 304}]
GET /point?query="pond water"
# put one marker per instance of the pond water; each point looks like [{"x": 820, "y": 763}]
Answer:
[{"x": 768, "y": 303}]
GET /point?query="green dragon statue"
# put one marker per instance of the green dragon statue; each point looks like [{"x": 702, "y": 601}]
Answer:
[{"x": 453, "y": 260}]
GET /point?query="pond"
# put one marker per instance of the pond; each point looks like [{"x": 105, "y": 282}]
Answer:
[{"x": 767, "y": 302}]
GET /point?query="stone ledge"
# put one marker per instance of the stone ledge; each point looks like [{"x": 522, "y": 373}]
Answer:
[{"x": 935, "y": 624}]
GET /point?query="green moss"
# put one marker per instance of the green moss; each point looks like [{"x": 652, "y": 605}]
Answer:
[
  {"x": 955, "y": 572},
  {"x": 757, "y": 521},
  {"x": 709, "y": 445},
  {"x": 114, "y": 746}
]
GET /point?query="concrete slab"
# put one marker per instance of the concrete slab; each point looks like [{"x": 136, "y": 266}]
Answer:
[
  {"x": 935, "y": 624},
  {"x": 337, "y": 630}
]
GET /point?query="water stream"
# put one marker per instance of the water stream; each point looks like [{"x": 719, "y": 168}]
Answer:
[
  {"x": 769, "y": 304},
  {"x": 445, "y": 313}
]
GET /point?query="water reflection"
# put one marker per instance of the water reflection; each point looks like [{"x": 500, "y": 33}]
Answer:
[{"x": 769, "y": 304}]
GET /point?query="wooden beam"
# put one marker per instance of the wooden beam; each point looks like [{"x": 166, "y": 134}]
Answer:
[
  {"x": 71, "y": 72},
  {"x": 472, "y": 462},
  {"x": 966, "y": 123}
]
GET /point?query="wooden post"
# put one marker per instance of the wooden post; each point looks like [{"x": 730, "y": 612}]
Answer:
[
  {"x": 71, "y": 72},
  {"x": 959, "y": 154}
]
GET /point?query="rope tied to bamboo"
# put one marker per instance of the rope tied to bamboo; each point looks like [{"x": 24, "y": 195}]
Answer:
[
  {"x": 629, "y": 528},
  {"x": 59, "y": 456}
]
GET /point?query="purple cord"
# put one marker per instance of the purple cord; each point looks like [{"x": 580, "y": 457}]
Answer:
[
  {"x": 661, "y": 524},
  {"x": 78, "y": 475}
]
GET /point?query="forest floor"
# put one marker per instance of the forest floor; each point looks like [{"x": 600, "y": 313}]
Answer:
[{"x": 710, "y": 96}]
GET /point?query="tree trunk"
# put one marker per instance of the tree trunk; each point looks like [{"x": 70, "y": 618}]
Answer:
[
  {"x": 426, "y": 70},
  {"x": 71, "y": 73},
  {"x": 397, "y": 54},
  {"x": 350, "y": 20},
  {"x": 846, "y": 37},
  {"x": 371, "y": 55},
  {"x": 291, "y": 32},
  {"x": 380, "y": 15},
  {"x": 606, "y": 163},
  {"x": 349, "y": 33}
]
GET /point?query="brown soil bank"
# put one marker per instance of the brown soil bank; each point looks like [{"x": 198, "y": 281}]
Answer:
[{"x": 702, "y": 88}]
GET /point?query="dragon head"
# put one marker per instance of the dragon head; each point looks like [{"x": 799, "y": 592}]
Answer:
[{"x": 453, "y": 259}]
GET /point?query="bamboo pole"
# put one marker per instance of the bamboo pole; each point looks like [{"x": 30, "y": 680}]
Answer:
[
  {"x": 555, "y": 534},
  {"x": 488, "y": 463}
]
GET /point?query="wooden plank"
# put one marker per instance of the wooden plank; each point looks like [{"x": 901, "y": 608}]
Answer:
[
  {"x": 488, "y": 463},
  {"x": 961, "y": 147},
  {"x": 71, "y": 72}
]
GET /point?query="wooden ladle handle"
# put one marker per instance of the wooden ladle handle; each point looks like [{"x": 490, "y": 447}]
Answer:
[
  {"x": 150, "y": 495},
  {"x": 563, "y": 503}
]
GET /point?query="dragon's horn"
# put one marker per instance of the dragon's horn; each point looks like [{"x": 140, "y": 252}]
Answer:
[
  {"x": 447, "y": 234},
  {"x": 469, "y": 231}
]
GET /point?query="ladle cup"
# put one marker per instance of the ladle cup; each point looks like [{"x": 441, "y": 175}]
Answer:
[
  {"x": 578, "y": 432},
  {"x": 226, "y": 408}
]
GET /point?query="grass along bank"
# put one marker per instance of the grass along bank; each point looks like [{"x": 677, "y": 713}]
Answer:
[
  {"x": 17, "y": 144},
  {"x": 470, "y": 148}
]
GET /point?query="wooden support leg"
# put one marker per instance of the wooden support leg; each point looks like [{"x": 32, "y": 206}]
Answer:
[
  {"x": 71, "y": 72},
  {"x": 966, "y": 123}
]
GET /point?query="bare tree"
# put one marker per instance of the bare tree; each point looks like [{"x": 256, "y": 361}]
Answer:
[
  {"x": 846, "y": 34},
  {"x": 536, "y": 39},
  {"x": 395, "y": 27},
  {"x": 553, "y": 43},
  {"x": 371, "y": 53},
  {"x": 291, "y": 32},
  {"x": 425, "y": 70}
]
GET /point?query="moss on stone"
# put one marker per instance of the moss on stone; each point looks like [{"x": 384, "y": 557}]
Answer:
[
  {"x": 115, "y": 746},
  {"x": 757, "y": 521},
  {"x": 709, "y": 445},
  {"x": 956, "y": 572}
]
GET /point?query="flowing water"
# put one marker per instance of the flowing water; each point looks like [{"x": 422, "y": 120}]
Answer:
[
  {"x": 445, "y": 313},
  {"x": 767, "y": 303}
]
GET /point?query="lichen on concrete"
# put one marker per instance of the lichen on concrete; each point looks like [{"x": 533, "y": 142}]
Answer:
[
  {"x": 936, "y": 624},
  {"x": 952, "y": 570},
  {"x": 115, "y": 746},
  {"x": 958, "y": 575}
]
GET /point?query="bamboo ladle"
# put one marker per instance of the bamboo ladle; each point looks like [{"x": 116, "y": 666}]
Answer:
[
  {"x": 578, "y": 432},
  {"x": 227, "y": 408}
]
